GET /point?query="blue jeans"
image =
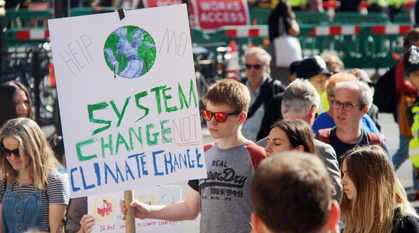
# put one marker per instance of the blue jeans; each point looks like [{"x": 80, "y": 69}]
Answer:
[{"x": 402, "y": 153}]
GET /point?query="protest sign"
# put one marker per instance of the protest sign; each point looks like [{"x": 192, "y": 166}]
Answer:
[
  {"x": 213, "y": 14},
  {"x": 105, "y": 209},
  {"x": 128, "y": 101}
]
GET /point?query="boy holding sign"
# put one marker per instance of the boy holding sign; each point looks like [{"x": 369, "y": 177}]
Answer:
[{"x": 223, "y": 198}]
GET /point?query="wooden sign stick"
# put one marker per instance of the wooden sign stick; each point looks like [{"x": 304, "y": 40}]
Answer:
[{"x": 130, "y": 216}]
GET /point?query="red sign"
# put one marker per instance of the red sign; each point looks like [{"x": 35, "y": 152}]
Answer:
[
  {"x": 155, "y": 3},
  {"x": 192, "y": 18},
  {"x": 212, "y": 14}
]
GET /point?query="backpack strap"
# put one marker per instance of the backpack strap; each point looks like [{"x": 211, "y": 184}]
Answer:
[
  {"x": 374, "y": 139},
  {"x": 324, "y": 135}
]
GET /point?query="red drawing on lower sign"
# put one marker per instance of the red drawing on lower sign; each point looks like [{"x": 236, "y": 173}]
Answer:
[{"x": 106, "y": 210}]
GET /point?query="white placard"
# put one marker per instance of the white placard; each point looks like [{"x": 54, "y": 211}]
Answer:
[
  {"x": 128, "y": 101},
  {"x": 107, "y": 213}
]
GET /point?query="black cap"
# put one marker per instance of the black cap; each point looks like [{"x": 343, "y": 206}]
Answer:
[
  {"x": 293, "y": 67},
  {"x": 411, "y": 60},
  {"x": 312, "y": 66}
]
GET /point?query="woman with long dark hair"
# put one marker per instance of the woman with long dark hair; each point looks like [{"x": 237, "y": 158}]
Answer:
[{"x": 15, "y": 101}]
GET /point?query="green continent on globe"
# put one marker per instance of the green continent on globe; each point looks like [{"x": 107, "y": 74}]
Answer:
[{"x": 130, "y": 52}]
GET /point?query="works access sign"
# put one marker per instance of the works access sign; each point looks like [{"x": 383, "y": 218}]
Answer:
[{"x": 212, "y": 14}]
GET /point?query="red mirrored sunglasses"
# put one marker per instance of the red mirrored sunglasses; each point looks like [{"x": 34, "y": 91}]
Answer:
[{"x": 218, "y": 116}]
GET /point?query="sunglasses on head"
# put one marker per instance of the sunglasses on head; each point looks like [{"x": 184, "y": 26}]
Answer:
[
  {"x": 8, "y": 152},
  {"x": 218, "y": 116},
  {"x": 256, "y": 66}
]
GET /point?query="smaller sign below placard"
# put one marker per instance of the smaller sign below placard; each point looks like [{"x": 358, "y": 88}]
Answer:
[{"x": 107, "y": 213}]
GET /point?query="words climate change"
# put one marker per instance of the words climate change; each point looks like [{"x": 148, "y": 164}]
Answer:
[{"x": 109, "y": 167}]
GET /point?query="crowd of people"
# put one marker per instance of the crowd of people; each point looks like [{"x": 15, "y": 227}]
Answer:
[
  {"x": 339, "y": 179},
  {"x": 359, "y": 191},
  {"x": 308, "y": 145}
]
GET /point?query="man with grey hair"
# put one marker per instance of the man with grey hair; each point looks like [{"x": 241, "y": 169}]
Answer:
[
  {"x": 261, "y": 87},
  {"x": 300, "y": 101},
  {"x": 352, "y": 100}
]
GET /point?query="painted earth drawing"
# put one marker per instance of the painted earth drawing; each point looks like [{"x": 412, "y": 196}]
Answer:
[{"x": 130, "y": 52}]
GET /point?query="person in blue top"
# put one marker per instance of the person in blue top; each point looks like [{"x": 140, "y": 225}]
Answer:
[{"x": 325, "y": 119}]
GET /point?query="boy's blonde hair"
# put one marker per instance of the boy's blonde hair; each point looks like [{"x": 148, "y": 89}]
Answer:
[
  {"x": 297, "y": 182},
  {"x": 230, "y": 92}
]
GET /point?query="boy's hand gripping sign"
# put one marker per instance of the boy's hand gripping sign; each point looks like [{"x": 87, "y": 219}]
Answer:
[{"x": 128, "y": 99}]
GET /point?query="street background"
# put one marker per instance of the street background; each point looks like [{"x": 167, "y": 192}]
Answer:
[{"x": 360, "y": 39}]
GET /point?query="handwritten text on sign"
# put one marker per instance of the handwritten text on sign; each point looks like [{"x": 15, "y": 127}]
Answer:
[{"x": 128, "y": 99}]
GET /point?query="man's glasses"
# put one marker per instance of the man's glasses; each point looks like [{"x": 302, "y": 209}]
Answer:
[
  {"x": 219, "y": 116},
  {"x": 8, "y": 152},
  {"x": 347, "y": 106},
  {"x": 256, "y": 66}
]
